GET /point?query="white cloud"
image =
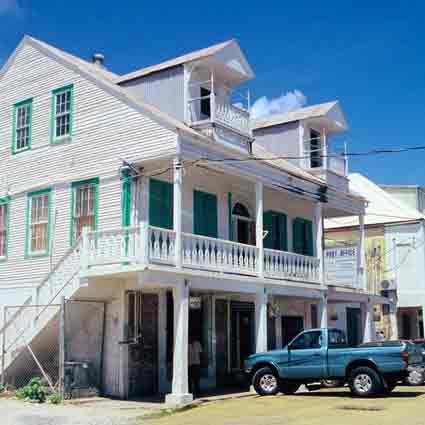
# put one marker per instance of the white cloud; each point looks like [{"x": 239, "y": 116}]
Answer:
[
  {"x": 10, "y": 7},
  {"x": 285, "y": 102}
]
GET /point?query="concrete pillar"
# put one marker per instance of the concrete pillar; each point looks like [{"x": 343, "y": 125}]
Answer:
[
  {"x": 261, "y": 320},
  {"x": 367, "y": 319},
  {"x": 361, "y": 255},
  {"x": 180, "y": 385},
  {"x": 259, "y": 227},
  {"x": 393, "y": 321},
  {"x": 323, "y": 312},
  {"x": 177, "y": 209},
  {"x": 318, "y": 224}
]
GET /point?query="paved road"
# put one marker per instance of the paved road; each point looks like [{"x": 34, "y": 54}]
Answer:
[
  {"x": 13, "y": 412},
  {"x": 406, "y": 406}
]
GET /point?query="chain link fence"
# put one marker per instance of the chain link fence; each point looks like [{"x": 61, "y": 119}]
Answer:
[{"x": 62, "y": 344}]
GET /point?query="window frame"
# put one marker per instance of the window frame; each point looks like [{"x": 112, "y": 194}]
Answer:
[
  {"x": 28, "y": 236},
  {"x": 55, "y": 93},
  {"x": 74, "y": 186},
  {"x": 6, "y": 202},
  {"x": 24, "y": 103}
]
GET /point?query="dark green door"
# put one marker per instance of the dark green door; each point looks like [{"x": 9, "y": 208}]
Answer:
[
  {"x": 161, "y": 204},
  {"x": 354, "y": 334},
  {"x": 302, "y": 233},
  {"x": 205, "y": 215},
  {"x": 275, "y": 225}
]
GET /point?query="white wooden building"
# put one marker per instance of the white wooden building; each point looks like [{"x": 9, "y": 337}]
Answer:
[
  {"x": 395, "y": 251},
  {"x": 126, "y": 189}
]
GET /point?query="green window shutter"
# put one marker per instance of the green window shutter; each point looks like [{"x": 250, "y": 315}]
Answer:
[
  {"x": 229, "y": 218},
  {"x": 298, "y": 235},
  {"x": 308, "y": 231},
  {"x": 268, "y": 226},
  {"x": 126, "y": 198},
  {"x": 283, "y": 232},
  {"x": 205, "y": 214},
  {"x": 161, "y": 204}
]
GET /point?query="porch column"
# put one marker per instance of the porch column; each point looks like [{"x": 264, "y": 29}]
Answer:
[
  {"x": 361, "y": 256},
  {"x": 323, "y": 312},
  {"x": 318, "y": 224},
  {"x": 367, "y": 318},
  {"x": 177, "y": 209},
  {"x": 393, "y": 320},
  {"x": 261, "y": 320},
  {"x": 259, "y": 227},
  {"x": 180, "y": 385}
]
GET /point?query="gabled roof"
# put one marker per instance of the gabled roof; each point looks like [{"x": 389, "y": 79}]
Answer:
[
  {"x": 382, "y": 207},
  {"x": 189, "y": 57},
  {"x": 315, "y": 111}
]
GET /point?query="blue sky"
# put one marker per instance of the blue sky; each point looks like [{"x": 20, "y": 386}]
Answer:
[{"x": 369, "y": 55}]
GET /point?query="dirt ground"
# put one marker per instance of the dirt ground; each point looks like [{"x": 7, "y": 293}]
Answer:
[{"x": 405, "y": 406}]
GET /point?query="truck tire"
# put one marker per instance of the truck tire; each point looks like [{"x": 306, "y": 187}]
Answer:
[
  {"x": 414, "y": 379},
  {"x": 266, "y": 382},
  {"x": 365, "y": 382}
]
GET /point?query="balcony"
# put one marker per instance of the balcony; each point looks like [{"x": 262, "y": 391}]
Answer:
[
  {"x": 219, "y": 111},
  {"x": 152, "y": 245}
]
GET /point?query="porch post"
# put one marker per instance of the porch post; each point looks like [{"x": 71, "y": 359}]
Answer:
[
  {"x": 261, "y": 320},
  {"x": 367, "y": 317},
  {"x": 177, "y": 210},
  {"x": 361, "y": 256},
  {"x": 318, "y": 223},
  {"x": 259, "y": 228},
  {"x": 180, "y": 386},
  {"x": 393, "y": 320},
  {"x": 323, "y": 311}
]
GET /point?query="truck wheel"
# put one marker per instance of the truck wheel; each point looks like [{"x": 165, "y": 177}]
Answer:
[
  {"x": 289, "y": 388},
  {"x": 365, "y": 382},
  {"x": 266, "y": 382}
]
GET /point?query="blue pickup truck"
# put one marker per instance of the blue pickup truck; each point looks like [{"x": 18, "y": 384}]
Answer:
[{"x": 318, "y": 354}]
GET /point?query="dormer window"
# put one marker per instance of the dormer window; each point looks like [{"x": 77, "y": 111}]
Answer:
[
  {"x": 205, "y": 102},
  {"x": 316, "y": 160}
]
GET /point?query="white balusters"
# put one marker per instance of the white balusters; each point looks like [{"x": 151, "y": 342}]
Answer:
[
  {"x": 281, "y": 264},
  {"x": 161, "y": 245}
]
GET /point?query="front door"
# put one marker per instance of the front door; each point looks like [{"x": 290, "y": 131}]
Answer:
[
  {"x": 307, "y": 356},
  {"x": 353, "y": 326},
  {"x": 242, "y": 332},
  {"x": 291, "y": 327},
  {"x": 143, "y": 354}
]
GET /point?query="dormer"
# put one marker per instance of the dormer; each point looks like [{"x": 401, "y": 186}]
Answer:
[
  {"x": 201, "y": 89},
  {"x": 305, "y": 137}
]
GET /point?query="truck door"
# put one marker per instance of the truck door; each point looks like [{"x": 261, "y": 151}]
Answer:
[{"x": 307, "y": 356}]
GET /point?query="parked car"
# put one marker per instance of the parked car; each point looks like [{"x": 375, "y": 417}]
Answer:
[{"x": 318, "y": 354}]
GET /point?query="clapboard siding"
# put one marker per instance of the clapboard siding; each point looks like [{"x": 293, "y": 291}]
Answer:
[
  {"x": 105, "y": 130},
  {"x": 164, "y": 89}
]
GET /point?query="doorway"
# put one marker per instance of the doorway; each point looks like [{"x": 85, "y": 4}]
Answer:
[
  {"x": 143, "y": 351},
  {"x": 243, "y": 225},
  {"x": 291, "y": 327},
  {"x": 242, "y": 333},
  {"x": 354, "y": 326},
  {"x": 406, "y": 323}
]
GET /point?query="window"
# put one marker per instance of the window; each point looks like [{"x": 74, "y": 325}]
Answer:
[
  {"x": 38, "y": 226},
  {"x": 275, "y": 225},
  {"x": 84, "y": 207},
  {"x": 243, "y": 225},
  {"x": 302, "y": 232},
  {"x": 205, "y": 102},
  {"x": 316, "y": 159},
  {"x": 62, "y": 108},
  {"x": 336, "y": 338},
  {"x": 22, "y": 118},
  {"x": 307, "y": 340},
  {"x": 160, "y": 204},
  {"x": 4, "y": 227}
]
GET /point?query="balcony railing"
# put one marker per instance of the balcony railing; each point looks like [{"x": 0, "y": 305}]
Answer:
[
  {"x": 221, "y": 111},
  {"x": 154, "y": 245}
]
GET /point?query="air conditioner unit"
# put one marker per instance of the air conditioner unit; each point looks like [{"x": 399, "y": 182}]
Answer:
[{"x": 388, "y": 285}]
